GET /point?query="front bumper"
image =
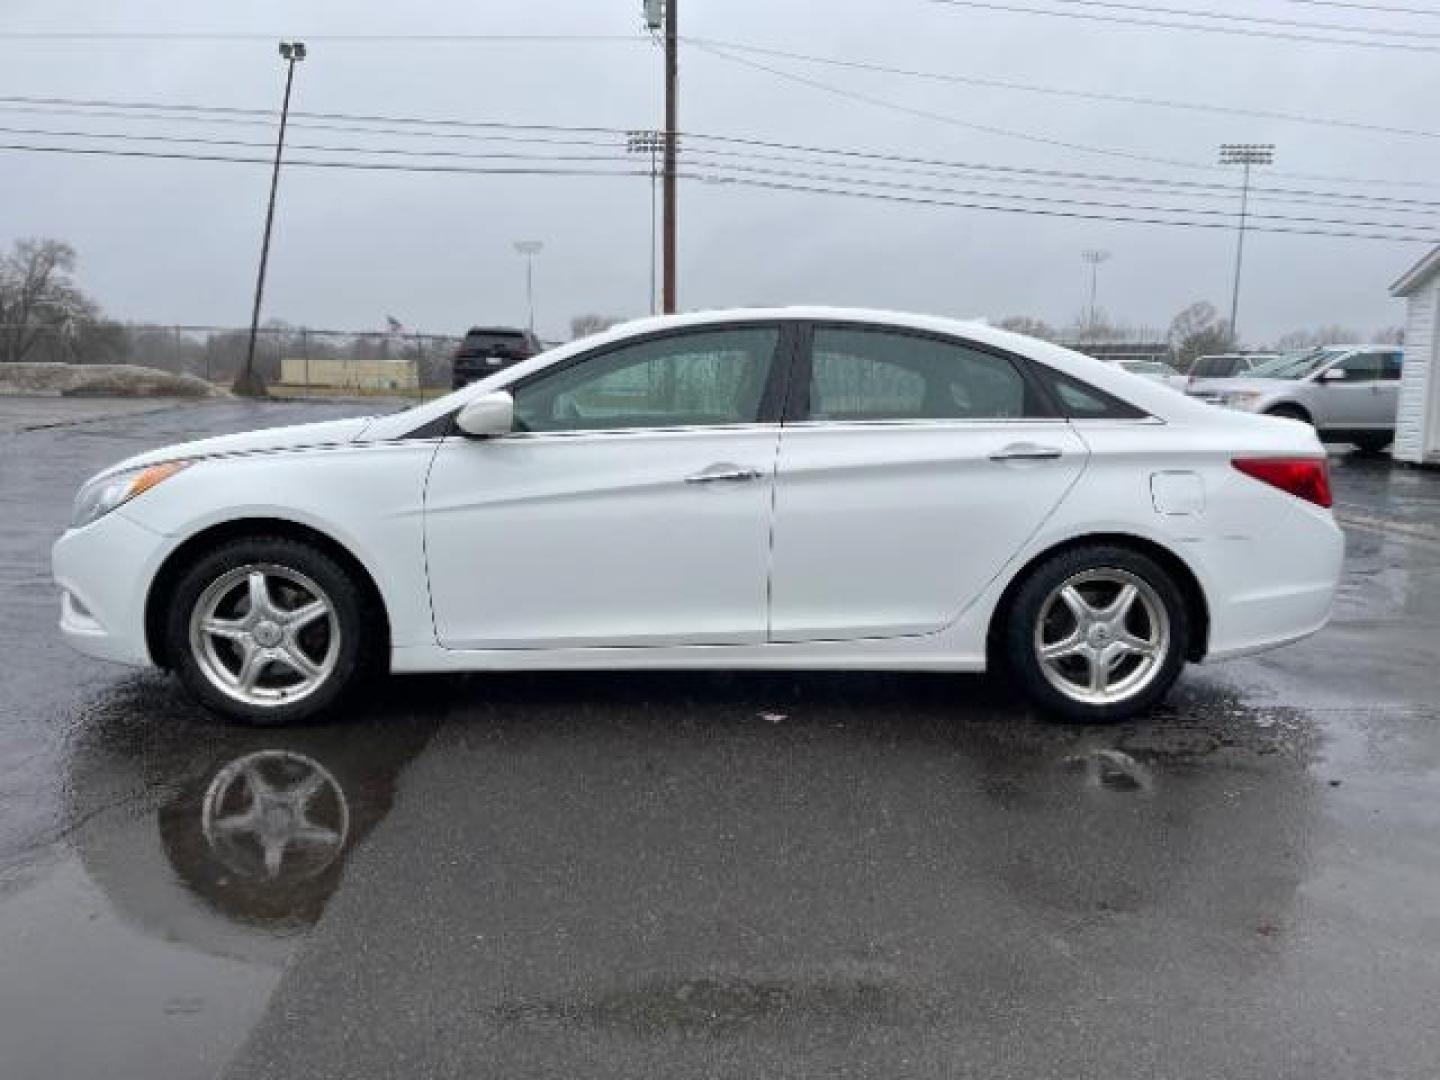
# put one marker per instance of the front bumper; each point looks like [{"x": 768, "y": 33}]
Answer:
[{"x": 104, "y": 572}]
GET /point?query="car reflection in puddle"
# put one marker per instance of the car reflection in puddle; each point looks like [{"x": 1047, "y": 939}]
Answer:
[
  {"x": 243, "y": 834},
  {"x": 275, "y": 816}
]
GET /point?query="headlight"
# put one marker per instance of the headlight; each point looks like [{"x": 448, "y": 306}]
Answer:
[
  {"x": 99, "y": 497},
  {"x": 1240, "y": 399}
]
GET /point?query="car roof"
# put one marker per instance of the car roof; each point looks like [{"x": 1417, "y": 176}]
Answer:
[{"x": 1155, "y": 398}]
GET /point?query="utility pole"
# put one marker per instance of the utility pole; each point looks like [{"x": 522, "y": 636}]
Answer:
[
  {"x": 649, "y": 142},
  {"x": 672, "y": 75},
  {"x": 1094, "y": 257},
  {"x": 1245, "y": 154},
  {"x": 248, "y": 383},
  {"x": 529, "y": 248}
]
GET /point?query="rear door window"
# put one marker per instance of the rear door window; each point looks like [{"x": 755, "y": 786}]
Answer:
[
  {"x": 859, "y": 373},
  {"x": 1361, "y": 367}
]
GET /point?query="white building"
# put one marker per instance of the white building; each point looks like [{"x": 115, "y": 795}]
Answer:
[{"x": 1417, "y": 425}]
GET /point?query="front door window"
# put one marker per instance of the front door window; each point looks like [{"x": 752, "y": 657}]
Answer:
[{"x": 700, "y": 379}]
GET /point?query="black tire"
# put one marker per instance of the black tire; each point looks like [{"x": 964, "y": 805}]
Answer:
[
  {"x": 351, "y": 605},
  {"x": 1018, "y": 638},
  {"x": 1372, "y": 444},
  {"x": 1290, "y": 412}
]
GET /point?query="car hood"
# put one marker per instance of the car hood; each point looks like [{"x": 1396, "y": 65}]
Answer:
[{"x": 266, "y": 440}]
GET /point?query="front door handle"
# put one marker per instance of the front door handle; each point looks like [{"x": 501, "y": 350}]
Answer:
[
  {"x": 1026, "y": 451},
  {"x": 724, "y": 474}
]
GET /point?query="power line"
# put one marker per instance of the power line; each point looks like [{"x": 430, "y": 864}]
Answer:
[
  {"x": 1260, "y": 20},
  {"x": 1433, "y": 13},
  {"x": 1005, "y": 84},
  {"x": 942, "y": 118},
  {"x": 923, "y": 201},
  {"x": 329, "y": 39},
  {"x": 317, "y": 148},
  {"x": 511, "y": 131},
  {"x": 925, "y": 114},
  {"x": 615, "y": 156},
  {"x": 1125, "y": 185},
  {"x": 1200, "y": 212},
  {"x": 1090, "y": 209},
  {"x": 311, "y": 163},
  {"x": 1089, "y": 16}
]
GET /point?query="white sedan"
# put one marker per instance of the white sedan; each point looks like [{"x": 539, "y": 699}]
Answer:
[{"x": 802, "y": 488}]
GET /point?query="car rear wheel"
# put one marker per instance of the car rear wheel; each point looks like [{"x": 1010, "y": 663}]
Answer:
[
  {"x": 1097, "y": 633},
  {"x": 269, "y": 630}
]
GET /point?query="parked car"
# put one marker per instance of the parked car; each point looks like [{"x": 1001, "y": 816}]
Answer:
[
  {"x": 1226, "y": 366},
  {"x": 1153, "y": 369},
  {"x": 485, "y": 350},
  {"x": 945, "y": 497},
  {"x": 1349, "y": 393}
]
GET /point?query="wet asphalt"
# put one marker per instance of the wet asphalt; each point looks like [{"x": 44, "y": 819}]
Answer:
[{"x": 724, "y": 874}]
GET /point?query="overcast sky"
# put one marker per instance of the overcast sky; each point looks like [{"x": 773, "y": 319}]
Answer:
[{"x": 177, "y": 241}]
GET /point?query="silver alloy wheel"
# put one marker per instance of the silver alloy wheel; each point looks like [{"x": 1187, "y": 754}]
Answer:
[
  {"x": 1102, "y": 636},
  {"x": 265, "y": 635}
]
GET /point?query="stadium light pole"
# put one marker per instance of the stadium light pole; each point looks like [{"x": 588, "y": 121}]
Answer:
[
  {"x": 648, "y": 142},
  {"x": 1094, "y": 256},
  {"x": 529, "y": 249},
  {"x": 1246, "y": 155},
  {"x": 248, "y": 382}
]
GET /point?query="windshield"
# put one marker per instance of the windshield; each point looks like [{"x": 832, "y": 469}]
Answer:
[
  {"x": 1296, "y": 366},
  {"x": 495, "y": 342}
]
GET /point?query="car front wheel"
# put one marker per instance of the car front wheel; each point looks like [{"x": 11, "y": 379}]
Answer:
[
  {"x": 269, "y": 630},
  {"x": 1097, "y": 633}
]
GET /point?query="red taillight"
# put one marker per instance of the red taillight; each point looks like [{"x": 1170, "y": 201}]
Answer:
[{"x": 1305, "y": 478}]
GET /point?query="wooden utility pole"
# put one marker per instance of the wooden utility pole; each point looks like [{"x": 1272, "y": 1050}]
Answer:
[{"x": 672, "y": 72}]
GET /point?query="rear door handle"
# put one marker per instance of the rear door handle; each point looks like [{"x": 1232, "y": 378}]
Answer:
[
  {"x": 723, "y": 474},
  {"x": 1026, "y": 451}
]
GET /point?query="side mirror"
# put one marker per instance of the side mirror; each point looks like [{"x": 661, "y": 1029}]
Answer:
[
  {"x": 487, "y": 416},
  {"x": 1333, "y": 374}
]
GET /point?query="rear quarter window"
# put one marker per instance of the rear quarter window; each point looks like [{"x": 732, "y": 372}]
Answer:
[{"x": 1079, "y": 400}]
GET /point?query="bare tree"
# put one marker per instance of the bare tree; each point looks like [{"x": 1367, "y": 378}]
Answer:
[
  {"x": 1299, "y": 340},
  {"x": 585, "y": 325},
  {"x": 1197, "y": 331},
  {"x": 1094, "y": 327},
  {"x": 1024, "y": 324},
  {"x": 39, "y": 297}
]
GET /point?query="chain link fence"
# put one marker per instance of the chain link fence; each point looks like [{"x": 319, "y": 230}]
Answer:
[{"x": 292, "y": 361}]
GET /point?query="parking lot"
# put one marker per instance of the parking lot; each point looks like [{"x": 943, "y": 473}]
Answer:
[{"x": 726, "y": 874}]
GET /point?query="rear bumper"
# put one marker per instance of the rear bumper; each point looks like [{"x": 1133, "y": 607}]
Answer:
[
  {"x": 1261, "y": 623},
  {"x": 104, "y": 572},
  {"x": 1284, "y": 587}
]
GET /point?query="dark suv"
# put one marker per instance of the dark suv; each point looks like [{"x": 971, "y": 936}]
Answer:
[{"x": 487, "y": 350}]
